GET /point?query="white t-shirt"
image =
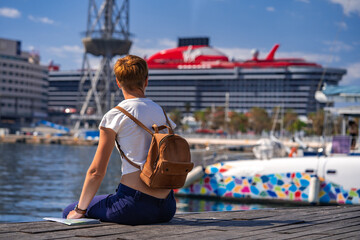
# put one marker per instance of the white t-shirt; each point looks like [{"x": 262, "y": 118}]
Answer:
[{"x": 134, "y": 140}]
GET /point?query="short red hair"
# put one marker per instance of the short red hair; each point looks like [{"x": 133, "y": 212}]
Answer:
[{"x": 131, "y": 72}]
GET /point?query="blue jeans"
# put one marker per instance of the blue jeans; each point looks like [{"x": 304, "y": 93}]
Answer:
[{"x": 129, "y": 206}]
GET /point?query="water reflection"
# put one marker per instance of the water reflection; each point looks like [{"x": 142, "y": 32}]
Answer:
[
  {"x": 202, "y": 205},
  {"x": 38, "y": 181}
]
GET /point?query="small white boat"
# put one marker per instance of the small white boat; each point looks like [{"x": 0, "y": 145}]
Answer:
[{"x": 323, "y": 180}]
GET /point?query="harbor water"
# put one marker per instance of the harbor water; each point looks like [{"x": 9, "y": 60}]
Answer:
[{"x": 39, "y": 181}]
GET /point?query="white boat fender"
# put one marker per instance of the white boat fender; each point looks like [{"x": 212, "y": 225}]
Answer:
[
  {"x": 194, "y": 175},
  {"x": 314, "y": 188}
]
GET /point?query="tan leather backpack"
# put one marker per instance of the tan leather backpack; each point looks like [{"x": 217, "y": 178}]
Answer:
[{"x": 168, "y": 161}]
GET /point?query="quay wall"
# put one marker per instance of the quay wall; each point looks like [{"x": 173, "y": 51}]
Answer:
[{"x": 70, "y": 140}]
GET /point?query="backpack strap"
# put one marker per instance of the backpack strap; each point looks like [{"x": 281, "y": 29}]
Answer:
[
  {"x": 134, "y": 119},
  {"x": 124, "y": 156},
  {"x": 138, "y": 123},
  {"x": 167, "y": 119},
  {"x": 144, "y": 127}
]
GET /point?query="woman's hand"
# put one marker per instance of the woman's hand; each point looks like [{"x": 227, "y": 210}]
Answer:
[{"x": 74, "y": 215}]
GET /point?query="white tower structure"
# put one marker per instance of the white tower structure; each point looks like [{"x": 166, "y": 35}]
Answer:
[{"x": 107, "y": 35}]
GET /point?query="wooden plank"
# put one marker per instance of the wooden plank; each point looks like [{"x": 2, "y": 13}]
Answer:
[
  {"x": 341, "y": 232},
  {"x": 296, "y": 230},
  {"x": 85, "y": 232},
  {"x": 304, "y": 222},
  {"x": 223, "y": 225},
  {"x": 338, "y": 233},
  {"x": 14, "y": 235},
  {"x": 316, "y": 230},
  {"x": 42, "y": 226},
  {"x": 335, "y": 220},
  {"x": 271, "y": 227}
]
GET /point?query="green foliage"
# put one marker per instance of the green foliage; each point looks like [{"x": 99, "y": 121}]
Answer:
[
  {"x": 176, "y": 116},
  {"x": 317, "y": 122},
  {"x": 200, "y": 116},
  {"x": 291, "y": 121},
  {"x": 238, "y": 122},
  {"x": 259, "y": 120},
  {"x": 297, "y": 126},
  {"x": 218, "y": 118}
]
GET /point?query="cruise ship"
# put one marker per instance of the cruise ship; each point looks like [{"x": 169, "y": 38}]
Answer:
[{"x": 197, "y": 76}]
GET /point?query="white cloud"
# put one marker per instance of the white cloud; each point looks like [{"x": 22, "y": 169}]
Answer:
[
  {"x": 342, "y": 25},
  {"x": 349, "y": 6},
  {"x": 9, "y": 12},
  {"x": 65, "y": 50},
  {"x": 31, "y": 48},
  {"x": 167, "y": 43},
  {"x": 41, "y": 19},
  {"x": 304, "y": 1},
  {"x": 148, "y": 47},
  {"x": 338, "y": 46},
  {"x": 144, "y": 52},
  {"x": 354, "y": 70},
  {"x": 353, "y": 74},
  {"x": 94, "y": 62},
  {"x": 270, "y": 9},
  {"x": 74, "y": 49}
]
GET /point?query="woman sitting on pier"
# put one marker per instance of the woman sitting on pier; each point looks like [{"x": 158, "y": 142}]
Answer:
[{"x": 134, "y": 202}]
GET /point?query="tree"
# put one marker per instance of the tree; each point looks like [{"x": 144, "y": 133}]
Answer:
[
  {"x": 200, "y": 116},
  {"x": 176, "y": 116},
  {"x": 218, "y": 118},
  {"x": 317, "y": 122},
  {"x": 259, "y": 120},
  {"x": 290, "y": 118},
  {"x": 187, "y": 106},
  {"x": 238, "y": 122},
  {"x": 297, "y": 126}
]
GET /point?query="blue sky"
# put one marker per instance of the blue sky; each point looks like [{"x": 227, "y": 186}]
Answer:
[{"x": 324, "y": 31}]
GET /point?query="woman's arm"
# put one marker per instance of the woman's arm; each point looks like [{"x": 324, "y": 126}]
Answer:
[{"x": 97, "y": 170}]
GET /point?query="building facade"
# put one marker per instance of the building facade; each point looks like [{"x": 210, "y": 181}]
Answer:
[
  {"x": 24, "y": 86},
  {"x": 289, "y": 88},
  {"x": 195, "y": 77}
]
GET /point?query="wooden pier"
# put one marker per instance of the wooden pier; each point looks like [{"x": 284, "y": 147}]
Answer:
[{"x": 328, "y": 222}]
